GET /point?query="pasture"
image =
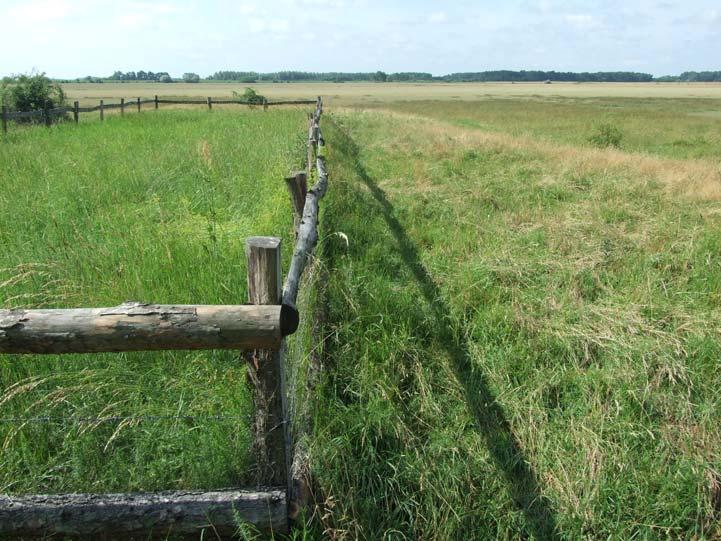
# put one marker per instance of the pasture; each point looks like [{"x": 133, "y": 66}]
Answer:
[
  {"x": 349, "y": 94},
  {"x": 524, "y": 329},
  {"x": 519, "y": 327},
  {"x": 153, "y": 207}
]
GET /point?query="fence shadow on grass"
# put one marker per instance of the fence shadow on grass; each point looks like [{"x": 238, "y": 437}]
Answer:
[{"x": 488, "y": 414}]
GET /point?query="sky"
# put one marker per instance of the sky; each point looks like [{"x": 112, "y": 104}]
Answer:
[{"x": 74, "y": 38}]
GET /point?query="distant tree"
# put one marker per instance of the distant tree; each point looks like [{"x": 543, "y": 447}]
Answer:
[
  {"x": 5, "y": 90},
  {"x": 380, "y": 76},
  {"x": 249, "y": 96},
  {"x": 165, "y": 78},
  {"x": 191, "y": 78},
  {"x": 32, "y": 92}
]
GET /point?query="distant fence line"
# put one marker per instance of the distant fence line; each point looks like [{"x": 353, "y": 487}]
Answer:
[
  {"x": 52, "y": 113},
  {"x": 281, "y": 490}
]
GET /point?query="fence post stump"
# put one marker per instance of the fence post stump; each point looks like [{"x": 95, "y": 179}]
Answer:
[
  {"x": 76, "y": 111},
  {"x": 122, "y": 106},
  {"x": 210, "y": 103},
  {"x": 156, "y": 102},
  {"x": 139, "y": 104},
  {"x": 102, "y": 114},
  {"x": 5, "y": 118},
  {"x": 298, "y": 187},
  {"x": 266, "y": 370}
]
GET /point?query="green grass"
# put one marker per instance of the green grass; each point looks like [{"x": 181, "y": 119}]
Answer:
[
  {"x": 152, "y": 207},
  {"x": 520, "y": 332},
  {"x": 674, "y": 128},
  {"x": 518, "y": 345}
]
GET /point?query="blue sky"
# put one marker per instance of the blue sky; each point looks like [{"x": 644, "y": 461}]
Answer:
[{"x": 71, "y": 38}]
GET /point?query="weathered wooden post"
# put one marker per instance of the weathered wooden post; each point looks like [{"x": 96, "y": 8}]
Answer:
[
  {"x": 46, "y": 113},
  {"x": 265, "y": 368},
  {"x": 310, "y": 143},
  {"x": 5, "y": 118},
  {"x": 265, "y": 104},
  {"x": 76, "y": 111},
  {"x": 210, "y": 103},
  {"x": 139, "y": 104},
  {"x": 122, "y": 106},
  {"x": 102, "y": 114},
  {"x": 156, "y": 102},
  {"x": 298, "y": 187}
]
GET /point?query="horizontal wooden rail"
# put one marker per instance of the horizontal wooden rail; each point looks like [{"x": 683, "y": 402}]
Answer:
[
  {"x": 184, "y": 102},
  {"x": 144, "y": 327},
  {"x": 119, "y": 516},
  {"x": 25, "y": 114}
]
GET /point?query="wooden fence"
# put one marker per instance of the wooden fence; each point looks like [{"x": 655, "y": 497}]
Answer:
[
  {"x": 258, "y": 328},
  {"x": 48, "y": 115}
]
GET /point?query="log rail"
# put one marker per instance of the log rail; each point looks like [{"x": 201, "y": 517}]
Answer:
[{"x": 137, "y": 326}]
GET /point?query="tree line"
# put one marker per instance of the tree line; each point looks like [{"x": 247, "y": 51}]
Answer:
[
  {"x": 694, "y": 77},
  {"x": 522, "y": 76}
]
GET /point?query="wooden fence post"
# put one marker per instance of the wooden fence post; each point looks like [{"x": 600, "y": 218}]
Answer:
[
  {"x": 156, "y": 102},
  {"x": 265, "y": 368},
  {"x": 139, "y": 104},
  {"x": 76, "y": 111},
  {"x": 210, "y": 103},
  {"x": 310, "y": 144},
  {"x": 265, "y": 104},
  {"x": 298, "y": 188},
  {"x": 122, "y": 106},
  {"x": 5, "y": 118},
  {"x": 46, "y": 111},
  {"x": 102, "y": 115}
]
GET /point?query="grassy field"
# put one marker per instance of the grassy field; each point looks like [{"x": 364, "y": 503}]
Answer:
[
  {"x": 340, "y": 94},
  {"x": 523, "y": 330},
  {"x": 673, "y": 128},
  {"x": 152, "y": 207}
]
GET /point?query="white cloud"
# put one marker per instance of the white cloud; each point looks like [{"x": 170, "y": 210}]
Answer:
[
  {"x": 280, "y": 25},
  {"x": 579, "y": 20},
  {"x": 257, "y": 25},
  {"x": 141, "y": 14},
  {"x": 438, "y": 17},
  {"x": 247, "y": 9},
  {"x": 134, "y": 20},
  {"x": 39, "y": 10}
]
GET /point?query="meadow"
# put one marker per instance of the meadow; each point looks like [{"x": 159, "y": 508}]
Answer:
[
  {"x": 519, "y": 326},
  {"x": 153, "y": 207},
  {"x": 354, "y": 94},
  {"x": 524, "y": 329}
]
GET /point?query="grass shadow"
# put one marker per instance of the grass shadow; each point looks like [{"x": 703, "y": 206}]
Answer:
[{"x": 487, "y": 412}]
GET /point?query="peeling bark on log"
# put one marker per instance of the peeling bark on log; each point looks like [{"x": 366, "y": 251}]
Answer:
[
  {"x": 122, "y": 516},
  {"x": 307, "y": 235},
  {"x": 139, "y": 327}
]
